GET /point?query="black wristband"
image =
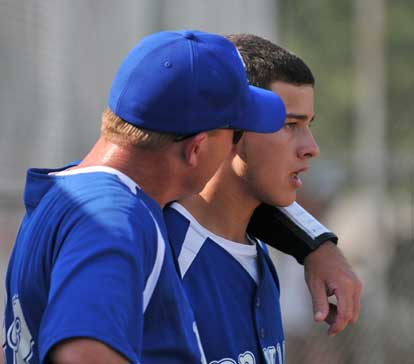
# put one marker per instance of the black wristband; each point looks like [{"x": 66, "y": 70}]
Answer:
[{"x": 280, "y": 230}]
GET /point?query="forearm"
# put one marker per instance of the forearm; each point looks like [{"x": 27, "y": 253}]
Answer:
[{"x": 291, "y": 230}]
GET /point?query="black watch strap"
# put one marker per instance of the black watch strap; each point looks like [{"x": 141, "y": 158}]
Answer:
[{"x": 291, "y": 230}]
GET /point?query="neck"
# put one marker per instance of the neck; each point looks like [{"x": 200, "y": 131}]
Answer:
[
  {"x": 224, "y": 206},
  {"x": 151, "y": 170}
]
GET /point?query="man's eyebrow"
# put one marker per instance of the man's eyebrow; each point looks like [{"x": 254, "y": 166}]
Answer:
[{"x": 298, "y": 116}]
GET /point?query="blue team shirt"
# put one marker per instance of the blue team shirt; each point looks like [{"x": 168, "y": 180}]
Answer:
[
  {"x": 92, "y": 259},
  {"x": 239, "y": 321}
]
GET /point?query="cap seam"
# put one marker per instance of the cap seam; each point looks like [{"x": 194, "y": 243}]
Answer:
[
  {"x": 133, "y": 72},
  {"x": 194, "y": 69}
]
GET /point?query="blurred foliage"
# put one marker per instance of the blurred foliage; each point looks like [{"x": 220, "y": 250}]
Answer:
[
  {"x": 322, "y": 33},
  {"x": 400, "y": 72}
]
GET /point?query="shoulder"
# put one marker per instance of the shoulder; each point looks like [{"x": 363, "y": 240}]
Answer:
[
  {"x": 103, "y": 214},
  {"x": 102, "y": 199}
]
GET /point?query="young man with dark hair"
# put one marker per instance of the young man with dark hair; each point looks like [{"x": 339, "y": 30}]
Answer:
[
  {"x": 326, "y": 270},
  {"x": 231, "y": 283},
  {"x": 91, "y": 278}
]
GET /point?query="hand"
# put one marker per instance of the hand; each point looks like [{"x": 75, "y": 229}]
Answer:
[{"x": 327, "y": 273}]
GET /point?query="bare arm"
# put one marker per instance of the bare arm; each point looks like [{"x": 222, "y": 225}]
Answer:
[
  {"x": 327, "y": 272},
  {"x": 291, "y": 230},
  {"x": 82, "y": 350}
]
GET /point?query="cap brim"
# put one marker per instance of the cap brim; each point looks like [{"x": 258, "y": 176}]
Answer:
[{"x": 266, "y": 112}]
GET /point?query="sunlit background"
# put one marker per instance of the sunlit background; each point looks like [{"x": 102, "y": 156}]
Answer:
[{"x": 57, "y": 60}]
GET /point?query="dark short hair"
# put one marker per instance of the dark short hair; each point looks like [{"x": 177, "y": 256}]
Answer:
[{"x": 266, "y": 62}]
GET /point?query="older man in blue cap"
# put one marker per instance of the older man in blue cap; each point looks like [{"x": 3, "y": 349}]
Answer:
[{"x": 91, "y": 278}]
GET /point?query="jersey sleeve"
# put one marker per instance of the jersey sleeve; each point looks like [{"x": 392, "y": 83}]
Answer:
[
  {"x": 291, "y": 230},
  {"x": 97, "y": 282}
]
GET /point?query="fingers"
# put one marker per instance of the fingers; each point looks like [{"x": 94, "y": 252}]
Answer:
[
  {"x": 319, "y": 301},
  {"x": 357, "y": 299},
  {"x": 328, "y": 273},
  {"x": 333, "y": 311},
  {"x": 347, "y": 311},
  {"x": 345, "y": 308},
  {"x": 348, "y": 296}
]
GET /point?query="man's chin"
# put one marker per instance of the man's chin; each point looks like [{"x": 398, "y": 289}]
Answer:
[{"x": 282, "y": 201}]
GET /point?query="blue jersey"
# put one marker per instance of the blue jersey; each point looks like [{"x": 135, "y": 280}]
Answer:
[
  {"x": 239, "y": 320},
  {"x": 92, "y": 260}
]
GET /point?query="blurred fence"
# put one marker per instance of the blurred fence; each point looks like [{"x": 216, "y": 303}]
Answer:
[{"x": 57, "y": 60}]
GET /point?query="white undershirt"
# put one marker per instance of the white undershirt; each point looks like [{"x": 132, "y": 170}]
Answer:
[{"x": 245, "y": 254}]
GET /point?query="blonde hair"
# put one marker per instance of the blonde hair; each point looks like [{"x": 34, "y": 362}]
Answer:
[{"x": 120, "y": 132}]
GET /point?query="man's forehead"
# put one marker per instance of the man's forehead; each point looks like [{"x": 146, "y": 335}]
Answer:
[
  {"x": 300, "y": 116},
  {"x": 298, "y": 99}
]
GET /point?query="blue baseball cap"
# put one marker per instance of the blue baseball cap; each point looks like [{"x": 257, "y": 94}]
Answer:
[{"x": 189, "y": 81}]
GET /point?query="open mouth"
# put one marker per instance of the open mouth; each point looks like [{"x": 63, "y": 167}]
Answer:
[{"x": 295, "y": 177}]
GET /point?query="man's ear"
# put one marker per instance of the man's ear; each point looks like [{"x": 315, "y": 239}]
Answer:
[
  {"x": 240, "y": 147},
  {"x": 193, "y": 148}
]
